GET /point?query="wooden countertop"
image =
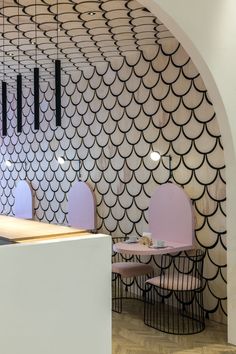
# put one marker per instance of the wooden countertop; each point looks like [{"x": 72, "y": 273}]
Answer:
[{"x": 21, "y": 230}]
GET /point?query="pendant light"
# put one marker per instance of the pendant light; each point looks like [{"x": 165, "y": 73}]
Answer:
[
  {"x": 58, "y": 91},
  {"x": 19, "y": 82},
  {"x": 36, "y": 98},
  {"x": 4, "y": 108},
  {"x": 36, "y": 76},
  {"x": 58, "y": 79},
  {"x": 4, "y": 84},
  {"x": 156, "y": 156}
]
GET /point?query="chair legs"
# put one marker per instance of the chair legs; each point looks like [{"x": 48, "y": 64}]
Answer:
[
  {"x": 174, "y": 312},
  {"x": 127, "y": 288},
  {"x": 117, "y": 293}
]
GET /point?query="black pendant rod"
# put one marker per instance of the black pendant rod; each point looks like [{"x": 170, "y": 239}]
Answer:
[
  {"x": 19, "y": 83},
  {"x": 36, "y": 78},
  {"x": 4, "y": 84},
  {"x": 36, "y": 98},
  {"x": 4, "y": 108},
  {"x": 58, "y": 81},
  {"x": 19, "y": 103},
  {"x": 58, "y": 91}
]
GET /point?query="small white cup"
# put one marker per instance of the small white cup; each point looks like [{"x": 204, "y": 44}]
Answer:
[
  {"x": 158, "y": 243},
  {"x": 147, "y": 234},
  {"x": 132, "y": 238}
]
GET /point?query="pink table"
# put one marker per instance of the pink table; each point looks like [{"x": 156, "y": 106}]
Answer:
[{"x": 141, "y": 250}]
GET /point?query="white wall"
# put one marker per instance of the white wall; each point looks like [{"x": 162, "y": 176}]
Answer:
[
  {"x": 55, "y": 297},
  {"x": 207, "y": 30}
]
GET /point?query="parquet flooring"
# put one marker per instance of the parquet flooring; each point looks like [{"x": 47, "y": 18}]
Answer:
[{"x": 131, "y": 336}]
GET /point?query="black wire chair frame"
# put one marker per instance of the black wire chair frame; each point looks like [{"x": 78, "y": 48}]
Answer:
[
  {"x": 174, "y": 300},
  {"x": 132, "y": 287}
]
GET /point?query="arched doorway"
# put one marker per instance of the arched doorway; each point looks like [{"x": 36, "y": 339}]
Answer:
[{"x": 196, "y": 26}]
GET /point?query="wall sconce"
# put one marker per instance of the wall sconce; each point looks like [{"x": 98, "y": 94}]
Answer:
[
  {"x": 156, "y": 156},
  {"x": 9, "y": 164},
  {"x": 61, "y": 160}
]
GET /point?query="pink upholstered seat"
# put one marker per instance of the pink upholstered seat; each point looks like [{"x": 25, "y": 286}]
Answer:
[
  {"x": 174, "y": 299},
  {"x": 182, "y": 282},
  {"x": 128, "y": 278},
  {"x": 131, "y": 269}
]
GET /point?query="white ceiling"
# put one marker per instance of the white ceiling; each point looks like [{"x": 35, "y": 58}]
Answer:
[{"x": 81, "y": 33}]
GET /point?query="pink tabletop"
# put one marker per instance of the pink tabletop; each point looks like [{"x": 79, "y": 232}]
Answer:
[{"x": 142, "y": 250}]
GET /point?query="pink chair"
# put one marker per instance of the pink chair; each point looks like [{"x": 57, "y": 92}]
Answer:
[
  {"x": 128, "y": 278},
  {"x": 81, "y": 207},
  {"x": 173, "y": 300},
  {"x": 23, "y": 207}
]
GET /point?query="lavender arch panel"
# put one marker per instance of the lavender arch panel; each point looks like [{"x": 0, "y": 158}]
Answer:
[
  {"x": 170, "y": 215},
  {"x": 81, "y": 206},
  {"x": 23, "y": 207}
]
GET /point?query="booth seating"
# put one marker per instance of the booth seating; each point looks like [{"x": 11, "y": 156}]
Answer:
[
  {"x": 81, "y": 207},
  {"x": 125, "y": 272},
  {"x": 174, "y": 299},
  {"x": 23, "y": 207},
  {"x": 128, "y": 278}
]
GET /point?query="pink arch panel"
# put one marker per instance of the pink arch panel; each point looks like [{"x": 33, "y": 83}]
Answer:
[
  {"x": 81, "y": 206},
  {"x": 170, "y": 215},
  {"x": 23, "y": 207}
]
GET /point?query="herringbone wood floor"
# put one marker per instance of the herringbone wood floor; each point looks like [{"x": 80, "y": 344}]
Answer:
[{"x": 131, "y": 336}]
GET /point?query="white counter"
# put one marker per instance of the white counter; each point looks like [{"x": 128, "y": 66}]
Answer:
[{"x": 55, "y": 296}]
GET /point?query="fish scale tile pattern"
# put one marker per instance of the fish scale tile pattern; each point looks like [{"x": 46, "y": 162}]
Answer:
[
  {"x": 82, "y": 33},
  {"x": 113, "y": 116}
]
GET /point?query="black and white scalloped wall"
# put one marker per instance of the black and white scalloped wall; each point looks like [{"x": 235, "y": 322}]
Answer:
[{"x": 113, "y": 116}]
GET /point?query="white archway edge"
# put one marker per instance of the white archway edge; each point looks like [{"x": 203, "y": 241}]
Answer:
[
  {"x": 23, "y": 207},
  {"x": 207, "y": 31}
]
